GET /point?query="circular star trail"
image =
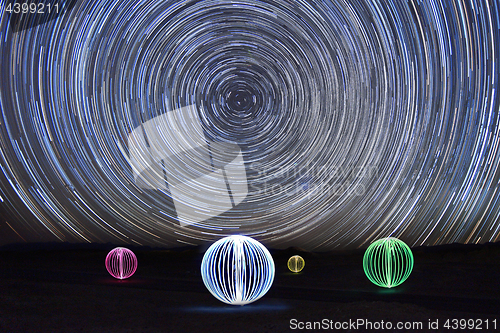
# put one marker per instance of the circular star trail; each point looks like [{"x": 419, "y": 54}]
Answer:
[{"x": 355, "y": 120}]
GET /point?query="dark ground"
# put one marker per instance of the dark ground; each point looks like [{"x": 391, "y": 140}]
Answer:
[{"x": 66, "y": 288}]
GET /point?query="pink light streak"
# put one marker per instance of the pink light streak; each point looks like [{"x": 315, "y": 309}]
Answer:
[{"x": 121, "y": 263}]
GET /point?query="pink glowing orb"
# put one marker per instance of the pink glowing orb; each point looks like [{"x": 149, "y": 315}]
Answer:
[{"x": 121, "y": 263}]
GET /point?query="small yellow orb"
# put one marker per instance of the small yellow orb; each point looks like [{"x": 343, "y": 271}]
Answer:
[{"x": 296, "y": 264}]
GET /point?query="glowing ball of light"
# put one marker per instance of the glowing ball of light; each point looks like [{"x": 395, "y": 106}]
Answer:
[
  {"x": 296, "y": 263},
  {"x": 388, "y": 262},
  {"x": 121, "y": 263},
  {"x": 237, "y": 270}
]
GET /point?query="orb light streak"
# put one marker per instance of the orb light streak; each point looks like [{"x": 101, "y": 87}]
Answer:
[
  {"x": 121, "y": 263},
  {"x": 388, "y": 262},
  {"x": 356, "y": 120},
  {"x": 237, "y": 270},
  {"x": 296, "y": 263}
]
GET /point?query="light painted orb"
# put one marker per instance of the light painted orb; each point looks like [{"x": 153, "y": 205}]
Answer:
[
  {"x": 237, "y": 270},
  {"x": 388, "y": 262},
  {"x": 296, "y": 263},
  {"x": 121, "y": 263}
]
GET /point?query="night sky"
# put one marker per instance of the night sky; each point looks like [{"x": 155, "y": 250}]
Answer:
[{"x": 322, "y": 125}]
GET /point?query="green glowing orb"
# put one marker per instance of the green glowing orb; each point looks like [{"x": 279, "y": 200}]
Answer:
[
  {"x": 388, "y": 262},
  {"x": 296, "y": 264}
]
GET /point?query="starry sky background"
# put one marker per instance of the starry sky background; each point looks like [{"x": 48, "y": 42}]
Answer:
[{"x": 356, "y": 119}]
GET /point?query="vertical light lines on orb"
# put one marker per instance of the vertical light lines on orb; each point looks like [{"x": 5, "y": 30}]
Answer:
[
  {"x": 296, "y": 263},
  {"x": 237, "y": 270},
  {"x": 121, "y": 263},
  {"x": 388, "y": 262}
]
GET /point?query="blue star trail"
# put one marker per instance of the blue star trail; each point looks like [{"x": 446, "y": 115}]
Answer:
[{"x": 355, "y": 120}]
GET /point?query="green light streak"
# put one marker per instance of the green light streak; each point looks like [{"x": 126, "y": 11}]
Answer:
[{"x": 388, "y": 262}]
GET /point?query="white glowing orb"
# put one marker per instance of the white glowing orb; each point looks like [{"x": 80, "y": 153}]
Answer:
[{"x": 237, "y": 270}]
